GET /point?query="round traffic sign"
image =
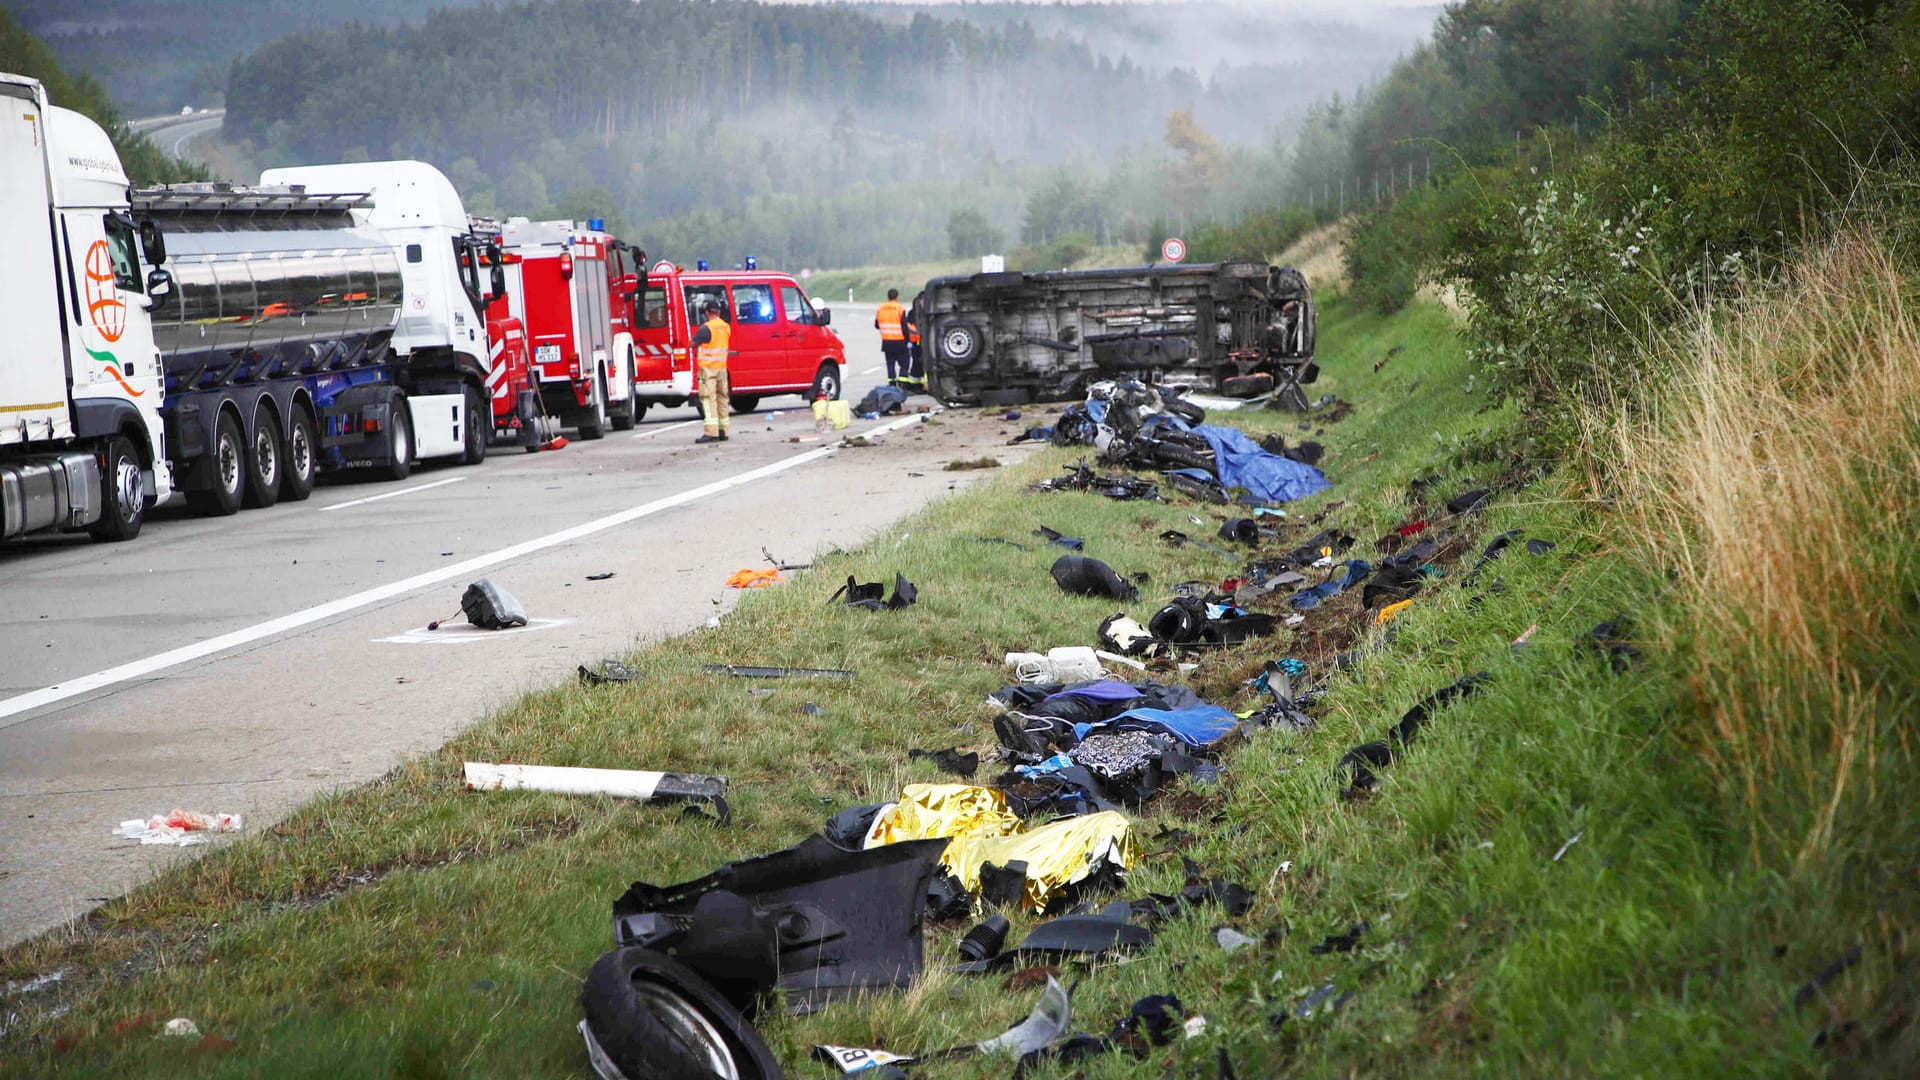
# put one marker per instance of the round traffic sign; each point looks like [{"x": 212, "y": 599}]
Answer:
[{"x": 1174, "y": 249}]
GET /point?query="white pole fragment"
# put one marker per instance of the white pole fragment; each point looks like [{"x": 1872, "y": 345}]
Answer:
[{"x": 618, "y": 783}]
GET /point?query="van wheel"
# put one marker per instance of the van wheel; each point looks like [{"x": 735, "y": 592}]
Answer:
[
  {"x": 228, "y": 463},
  {"x": 745, "y": 404},
  {"x": 960, "y": 343},
  {"x": 263, "y": 464},
  {"x": 399, "y": 437},
  {"x": 298, "y": 465},
  {"x": 479, "y": 428},
  {"x": 595, "y": 426},
  {"x": 826, "y": 381},
  {"x": 655, "y": 1019},
  {"x": 125, "y": 505}
]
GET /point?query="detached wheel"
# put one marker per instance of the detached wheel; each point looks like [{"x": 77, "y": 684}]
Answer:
[
  {"x": 479, "y": 428},
  {"x": 656, "y": 1020},
  {"x": 595, "y": 426},
  {"x": 298, "y": 465},
  {"x": 961, "y": 343},
  {"x": 826, "y": 381},
  {"x": 228, "y": 463},
  {"x": 125, "y": 502},
  {"x": 263, "y": 463},
  {"x": 399, "y": 437}
]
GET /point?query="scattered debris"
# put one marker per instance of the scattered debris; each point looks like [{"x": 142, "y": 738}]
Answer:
[
  {"x": 970, "y": 464},
  {"x": 950, "y": 760},
  {"x": 180, "y": 1028},
  {"x": 744, "y": 671},
  {"x": 754, "y": 579},
  {"x": 866, "y": 596},
  {"x": 1090, "y": 577},
  {"x": 1346, "y": 942},
  {"x": 855, "y": 1059},
  {"x": 1571, "y": 840},
  {"x": 600, "y": 577},
  {"x": 179, "y": 828},
  {"x": 638, "y": 784},
  {"x": 1232, "y": 940},
  {"x": 609, "y": 671},
  {"x": 1059, "y": 539}
]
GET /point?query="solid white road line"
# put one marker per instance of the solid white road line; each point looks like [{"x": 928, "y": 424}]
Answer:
[
  {"x": 99, "y": 680},
  {"x": 666, "y": 427},
  {"x": 393, "y": 494},
  {"x": 875, "y": 370}
]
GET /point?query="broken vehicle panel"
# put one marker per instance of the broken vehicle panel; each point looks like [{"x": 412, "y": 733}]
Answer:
[{"x": 1241, "y": 327}]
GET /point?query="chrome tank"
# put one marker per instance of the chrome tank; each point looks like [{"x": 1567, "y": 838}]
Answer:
[{"x": 268, "y": 282}]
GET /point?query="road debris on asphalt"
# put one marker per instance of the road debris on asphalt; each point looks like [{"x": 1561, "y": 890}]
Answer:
[{"x": 180, "y": 828}]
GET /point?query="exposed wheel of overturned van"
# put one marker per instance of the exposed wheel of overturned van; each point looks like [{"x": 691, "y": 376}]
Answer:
[
  {"x": 654, "y": 1019},
  {"x": 399, "y": 436},
  {"x": 263, "y": 462},
  {"x": 960, "y": 343},
  {"x": 479, "y": 428},
  {"x": 595, "y": 425},
  {"x": 826, "y": 381},
  {"x": 227, "y": 462},
  {"x": 299, "y": 464},
  {"x": 125, "y": 501}
]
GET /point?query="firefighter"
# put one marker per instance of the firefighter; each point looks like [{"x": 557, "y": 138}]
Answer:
[
  {"x": 916, "y": 376},
  {"x": 710, "y": 344},
  {"x": 891, "y": 321}
]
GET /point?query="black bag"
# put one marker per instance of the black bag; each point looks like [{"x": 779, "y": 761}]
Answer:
[{"x": 491, "y": 607}]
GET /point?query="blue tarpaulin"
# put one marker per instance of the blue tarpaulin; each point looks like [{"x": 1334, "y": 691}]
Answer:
[
  {"x": 1200, "y": 725},
  {"x": 1269, "y": 478}
]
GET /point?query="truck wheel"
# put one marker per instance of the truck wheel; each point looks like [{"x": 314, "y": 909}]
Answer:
[
  {"x": 479, "y": 428},
  {"x": 656, "y": 1020},
  {"x": 228, "y": 462},
  {"x": 124, "y": 503},
  {"x": 628, "y": 413},
  {"x": 960, "y": 343},
  {"x": 595, "y": 426},
  {"x": 263, "y": 464},
  {"x": 826, "y": 381},
  {"x": 399, "y": 437},
  {"x": 745, "y": 403},
  {"x": 297, "y": 465}
]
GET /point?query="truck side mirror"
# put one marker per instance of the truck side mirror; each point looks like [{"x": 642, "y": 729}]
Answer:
[
  {"x": 159, "y": 283},
  {"x": 154, "y": 242},
  {"x": 499, "y": 282}
]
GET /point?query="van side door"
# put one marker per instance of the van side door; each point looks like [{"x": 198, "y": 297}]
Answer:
[{"x": 759, "y": 347}]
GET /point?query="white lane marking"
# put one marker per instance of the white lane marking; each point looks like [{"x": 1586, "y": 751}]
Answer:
[
  {"x": 393, "y": 494},
  {"x": 875, "y": 369},
  {"x": 84, "y": 684},
  {"x": 666, "y": 427},
  {"x": 461, "y": 633}
]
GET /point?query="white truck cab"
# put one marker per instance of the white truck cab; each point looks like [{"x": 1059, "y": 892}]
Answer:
[{"x": 81, "y": 436}]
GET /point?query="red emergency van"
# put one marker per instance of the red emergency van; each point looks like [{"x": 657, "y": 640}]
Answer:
[
  {"x": 572, "y": 286},
  {"x": 782, "y": 343}
]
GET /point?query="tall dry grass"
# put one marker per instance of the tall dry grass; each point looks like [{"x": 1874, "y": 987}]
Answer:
[{"x": 1777, "y": 479}]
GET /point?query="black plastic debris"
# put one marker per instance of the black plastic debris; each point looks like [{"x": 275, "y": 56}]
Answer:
[
  {"x": 609, "y": 671},
  {"x": 1540, "y": 547},
  {"x": 1059, "y": 539},
  {"x": 1001, "y": 540},
  {"x": 600, "y": 577},
  {"x": 642, "y": 1011},
  {"x": 1612, "y": 639},
  {"x": 1346, "y": 942},
  {"x": 1179, "y": 621},
  {"x": 1180, "y": 539},
  {"x": 1364, "y": 763},
  {"x": 491, "y": 607},
  {"x": 745, "y": 671},
  {"x": 1468, "y": 502},
  {"x": 1324, "y": 543},
  {"x": 849, "y": 827},
  {"x": 866, "y": 596},
  {"x": 811, "y": 709},
  {"x": 817, "y": 921},
  {"x": 1085, "y": 576},
  {"x": 1241, "y": 531},
  {"x": 985, "y": 941},
  {"x": 950, "y": 760},
  {"x": 1119, "y": 633}
]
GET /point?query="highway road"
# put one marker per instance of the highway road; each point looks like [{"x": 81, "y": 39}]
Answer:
[
  {"x": 173, "y": 133},
  {"x": 243, "y": 664}
]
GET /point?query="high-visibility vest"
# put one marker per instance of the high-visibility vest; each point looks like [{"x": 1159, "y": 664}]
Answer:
[
  {"x": 719, "y": 336},
  {"x": 890, "y": 317}
]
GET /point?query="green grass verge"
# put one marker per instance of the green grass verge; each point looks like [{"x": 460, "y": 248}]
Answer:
[{"x": 409, "y": 927}]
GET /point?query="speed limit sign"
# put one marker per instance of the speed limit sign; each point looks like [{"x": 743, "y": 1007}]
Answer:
[{"x": 1174, "y": 249}]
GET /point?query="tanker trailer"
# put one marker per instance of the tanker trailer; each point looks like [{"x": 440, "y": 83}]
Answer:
[{"x": 275, "y": 345}]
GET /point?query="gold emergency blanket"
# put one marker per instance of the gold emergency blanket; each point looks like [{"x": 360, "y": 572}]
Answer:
[
  {"x": 931, "y": 811},
  {"x": 983, "y": 831}
]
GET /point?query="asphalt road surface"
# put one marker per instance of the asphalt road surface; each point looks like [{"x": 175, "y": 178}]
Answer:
[
  {"x": 174, "y": 133},
  {"x": 244, "y": 664}
]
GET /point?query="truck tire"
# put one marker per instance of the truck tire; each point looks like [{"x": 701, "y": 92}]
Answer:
[
  {"x": 961, "y": 344},
  {"x": 595, "y": 425},
  {"x": 263, "y": 463},
  {"x": 479, "y": 428},
  {"x": 628, "y": 413},
  {"x": 227, "y": 461},
  {"x": 826, "y": 381},
  {"x": 745, "y": 403},
  {"x": 123, "y": 503},
  {"x": 399, "y": 437},
  {"x": 657, "y": 1020},
  {"x": 299, "y": 463}
]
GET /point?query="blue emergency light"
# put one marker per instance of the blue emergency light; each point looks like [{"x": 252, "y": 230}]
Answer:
[
  {"x": 597, "y": 224},
  {"x": 701, "y": 265},
  {"x": 753, "y": 263}
]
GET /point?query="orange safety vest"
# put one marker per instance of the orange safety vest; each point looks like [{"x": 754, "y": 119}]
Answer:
[
  {"x": 889, "y": 319},
  {"x": 719, "y": 336}
]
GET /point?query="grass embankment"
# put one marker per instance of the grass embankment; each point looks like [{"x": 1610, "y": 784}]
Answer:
[{"x": 1562, "y": 874}]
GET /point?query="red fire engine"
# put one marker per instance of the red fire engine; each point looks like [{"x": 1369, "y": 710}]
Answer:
[{"x": 572, "y": 286}]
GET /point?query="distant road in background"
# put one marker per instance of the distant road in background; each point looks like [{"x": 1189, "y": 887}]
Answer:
[{"x": 174, "y": 132}]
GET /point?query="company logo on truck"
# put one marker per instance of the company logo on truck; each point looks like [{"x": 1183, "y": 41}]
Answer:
[{"x": 106, "y": 310}]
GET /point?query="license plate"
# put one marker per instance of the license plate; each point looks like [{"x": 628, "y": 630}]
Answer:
[{"x": 546, "y": 354}]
